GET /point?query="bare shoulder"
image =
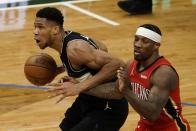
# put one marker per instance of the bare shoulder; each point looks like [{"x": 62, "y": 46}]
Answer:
[
  {"x": 78, "y": 51},
  {"x": 101, "y": 45},
  {"x": 165, "y": 77},
  {"x": 77, "y": 44}
]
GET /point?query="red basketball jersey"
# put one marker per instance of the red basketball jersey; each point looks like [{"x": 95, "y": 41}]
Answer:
[{"x": 170, "y": 118}]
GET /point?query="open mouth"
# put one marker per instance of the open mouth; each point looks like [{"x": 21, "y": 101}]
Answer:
[
  {"x": 37, "y": 41},
  {"x": 136, "y": 52}
]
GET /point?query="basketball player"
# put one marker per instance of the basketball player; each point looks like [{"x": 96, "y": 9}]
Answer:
[
  {"x": 88, "y": 65},
  {"x": 151, "y": 84}
]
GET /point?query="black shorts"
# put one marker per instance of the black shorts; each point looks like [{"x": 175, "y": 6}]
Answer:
[{"x": 89, "y": 113}]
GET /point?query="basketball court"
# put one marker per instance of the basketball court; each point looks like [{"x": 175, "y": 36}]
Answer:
[{"x": 25, "y": 107}]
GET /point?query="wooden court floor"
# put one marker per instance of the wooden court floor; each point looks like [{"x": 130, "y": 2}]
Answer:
[{"x": 23, "y": 107}]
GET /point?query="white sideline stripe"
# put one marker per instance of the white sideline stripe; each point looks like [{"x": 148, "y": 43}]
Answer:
[
  {"x": 46, "y": 4},
  {"x": 91, "y": 14},
  {"x": 68, "y": 4}
]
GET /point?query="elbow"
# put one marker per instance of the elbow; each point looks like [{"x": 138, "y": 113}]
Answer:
[{"x": 118, "y": 63}]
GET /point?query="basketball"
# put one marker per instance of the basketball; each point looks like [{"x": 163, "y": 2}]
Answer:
[{"x": 40, "y": 69}]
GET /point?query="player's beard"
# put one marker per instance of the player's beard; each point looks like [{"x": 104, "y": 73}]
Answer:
[{"x": 140, "y": 57}]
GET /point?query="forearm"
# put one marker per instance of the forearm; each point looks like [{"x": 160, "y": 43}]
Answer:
[
  {"x": 106, "y": 74},
  {"x": 106, "y": 91},
  {"x": 145, "y": 108}
]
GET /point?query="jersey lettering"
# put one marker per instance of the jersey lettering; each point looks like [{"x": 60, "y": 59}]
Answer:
[{"x": 140, "y": 91}]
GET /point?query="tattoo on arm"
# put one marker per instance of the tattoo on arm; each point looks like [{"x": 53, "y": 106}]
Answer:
[{"x": 106, "y": 91}]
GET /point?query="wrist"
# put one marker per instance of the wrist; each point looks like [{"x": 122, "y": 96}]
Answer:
[{"x": 81, "y": 87}]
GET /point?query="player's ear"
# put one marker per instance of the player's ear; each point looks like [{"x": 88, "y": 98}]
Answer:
[
  {"x": 55, "y": 30},
  {"x": 157, "y": 45}
]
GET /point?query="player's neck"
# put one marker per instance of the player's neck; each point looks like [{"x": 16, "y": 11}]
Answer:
[
  {"x": 149, "y": 61},
  {"x": 58, "y": 41}
]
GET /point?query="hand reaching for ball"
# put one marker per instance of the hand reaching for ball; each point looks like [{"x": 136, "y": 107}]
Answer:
[{"x": 66, "y": 86}]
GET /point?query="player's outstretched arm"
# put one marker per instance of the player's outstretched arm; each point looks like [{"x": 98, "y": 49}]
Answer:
[
  {"x": 81, "y": 54},
  {"x": 106, "y": 91},
  {"x": 106, "y": 65}
]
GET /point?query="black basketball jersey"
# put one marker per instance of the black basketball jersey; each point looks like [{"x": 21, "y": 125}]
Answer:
[{"x": 70, "y": 70}]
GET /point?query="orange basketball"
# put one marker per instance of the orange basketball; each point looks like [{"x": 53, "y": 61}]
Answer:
[{"x": 40, "y": 69}]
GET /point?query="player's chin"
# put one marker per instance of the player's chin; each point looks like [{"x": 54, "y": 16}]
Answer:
[
  {"x": 42, "y": 46},
  {"x": 137, "y": 57}
]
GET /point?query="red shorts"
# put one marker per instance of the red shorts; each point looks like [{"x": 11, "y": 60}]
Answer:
[{"x": 172, "y": 126}]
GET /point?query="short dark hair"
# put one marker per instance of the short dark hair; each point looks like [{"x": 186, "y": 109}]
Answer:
[
  {"x": 152, "y": 27},
  {"x": 51, "y": 13}
]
